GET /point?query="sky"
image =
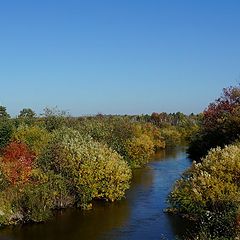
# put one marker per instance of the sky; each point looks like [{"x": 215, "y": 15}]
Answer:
[{"x": 117, "y": 56}]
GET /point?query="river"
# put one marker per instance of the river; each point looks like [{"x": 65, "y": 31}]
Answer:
[{"x": 139, "y": 216}]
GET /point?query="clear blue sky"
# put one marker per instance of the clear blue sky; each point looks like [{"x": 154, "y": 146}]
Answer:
[{"x": 117, "y": 56}]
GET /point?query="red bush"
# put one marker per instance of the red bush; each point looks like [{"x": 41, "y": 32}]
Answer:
[
  {"x": 17, "y": 162},
  {"x": 222, "y": 109}
]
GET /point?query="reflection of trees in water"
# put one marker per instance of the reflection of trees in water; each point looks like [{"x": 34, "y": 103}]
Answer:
[
  {"x": 179, "y": 226},
  {"x": 173, "y": 153},
  {"x": 142, "y": 177},
  {"x": 74, "y": 224}
]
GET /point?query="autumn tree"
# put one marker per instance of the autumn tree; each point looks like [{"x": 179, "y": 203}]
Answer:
[
  {"x": 16, "y": 163},
  {"x": 220, "y": 123}
]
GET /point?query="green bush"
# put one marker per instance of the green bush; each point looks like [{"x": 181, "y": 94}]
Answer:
[
  {"x": 139, "y": 150},
  {"x": 10, "y": 210},
  {"x": 122, "y": 135},
  {"x": 210, "y": 191},
  {"x": 6, "y": 130},
  {"x": 34, "y": 136},
  {"x": 171, "y": 136},
  {"x": 46, "y": 192},
  {"x": 3, "y": 180},
  {"x": 93, "y": 169}
]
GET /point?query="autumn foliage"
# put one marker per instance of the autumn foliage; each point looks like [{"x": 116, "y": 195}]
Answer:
[
  {"x": 222, "y": 109},
  {"x": 17, "y": 162},
  {"x": 220, "y": 124}
]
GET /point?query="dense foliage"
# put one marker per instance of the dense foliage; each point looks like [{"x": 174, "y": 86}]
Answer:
[
  {"x": 210, "y": 192},
  {"x": 35, "y": 137},
  {"x": 220, "y": 124},
  {"x": 87, "y": 165},
  {"x": 17, "y": 162},
  {"x": 54, "y": 161}
]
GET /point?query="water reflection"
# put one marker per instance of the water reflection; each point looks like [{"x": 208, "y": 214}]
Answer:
[
  {"x": 139, "y": 216},
  {"x": 74, "y": 224}
]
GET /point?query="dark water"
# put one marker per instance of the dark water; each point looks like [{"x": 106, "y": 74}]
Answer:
[{"x": 139, "y": 216}]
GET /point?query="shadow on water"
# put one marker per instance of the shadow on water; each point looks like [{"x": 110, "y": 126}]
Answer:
[{"x": 139, "y": 216}]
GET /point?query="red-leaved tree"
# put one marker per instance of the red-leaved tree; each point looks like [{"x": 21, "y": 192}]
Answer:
[
  {"x": 17, "y": 162},
  {"x": 223, "y": 109}
]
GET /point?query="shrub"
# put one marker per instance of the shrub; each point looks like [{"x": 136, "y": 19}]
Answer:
[
  {"x": 171, "y": 136},
  {"x": 54, "y": 118},
  {"x": 6, "y": 130},
  {"x": 34, "y": 136},
  {"x": 10, "y": 210},
  {"x": 46, "y": 192},
  {"x": 111, "y": 131},
  {"x": 93, "y": 169},
  {"x": 16, "y": 163},
  {"x": 139, "y": 150},
  {"x": 210, "y": 191}
]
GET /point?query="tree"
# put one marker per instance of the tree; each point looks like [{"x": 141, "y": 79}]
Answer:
[
  {"x": 17, "y": 162},
  {"x": 6, "y": 127},
  {"x": 27, "y": 113},
  {"x": 54, "y": 118},
  {"x": 3, "y": 112},
  {"x": 220, "y": 112},
  {"x": 26, "y": 116},
  {"x": 220, "y": 124}
]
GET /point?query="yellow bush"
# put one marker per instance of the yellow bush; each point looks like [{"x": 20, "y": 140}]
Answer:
[
  {"x": 35, "y": 137},
  {"x": 139, "y": 149},
  {"x": 94, "y": 170}
]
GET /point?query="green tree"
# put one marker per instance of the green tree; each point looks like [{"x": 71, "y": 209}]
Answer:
[
  {"x": 54, "y": 118},
  {"x": 27, "y": 113},
  {"x": 6, "y": 130},
  {"x": 3, "y": 112},
  {"x": 26, "y": 116}
]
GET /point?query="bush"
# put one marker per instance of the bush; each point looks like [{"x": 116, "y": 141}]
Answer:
[
  {"x": 210, "y": 191},
  {"x": 47, "y": 191},
  {"x": 119, "y": 133},
  {"x": 111, "y": 131},
  {"x": 35, "y": 137},
  {"x": 54, "y": 118},
  {"x": 10, "y": 210},
  {"x": 6, "y": 130},
  {"x": 93, "y": 169},
  {"x": 16, "y": 163},
  {"x": 171, "y": 136},
  {"x": 139, "y": 150}
]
